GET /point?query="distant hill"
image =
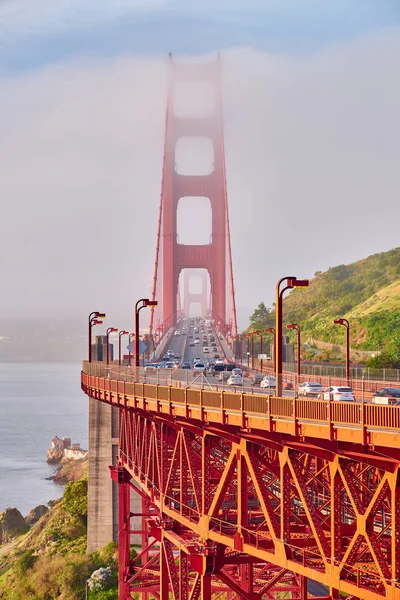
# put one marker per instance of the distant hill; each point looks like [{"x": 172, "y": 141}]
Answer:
[
  {"x": 366, "y": 292},
  {"x": 42, "y": 340}
]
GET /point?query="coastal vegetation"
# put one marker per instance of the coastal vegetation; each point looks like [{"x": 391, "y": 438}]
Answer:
[
  {"x": 50, "y": 562},
  {"x": 366, "y": 292}
]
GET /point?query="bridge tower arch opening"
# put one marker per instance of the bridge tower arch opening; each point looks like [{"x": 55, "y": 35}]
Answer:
[
  {"x": 192, "y": 85},
  {"x": 194, "y": 287}
]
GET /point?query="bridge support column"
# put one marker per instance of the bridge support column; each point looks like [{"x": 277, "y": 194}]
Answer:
[{"x": 122, "y": 479}]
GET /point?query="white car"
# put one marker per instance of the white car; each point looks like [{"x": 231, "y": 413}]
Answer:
[
  {"x": 199, "y": 368},
  {"x": 310, "y": 388},
  {"x": 235, "y": 380},
  {"x": 268, "y": 382},
  {"x": 338, "y": 392},
  {"x": 150, "y": 368},
  {"x": 219, "y": 361}
]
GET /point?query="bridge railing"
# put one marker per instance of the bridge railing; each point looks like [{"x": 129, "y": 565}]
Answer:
[{"x": 357, "y": 421}]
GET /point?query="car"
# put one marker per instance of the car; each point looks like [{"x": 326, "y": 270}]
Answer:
[
  {"x": 170, "y": 353},
  {"x": 191, "y": 344},
  {"x": 269, "y": 381},
  {"x": 219, "y": 366},
  {"x": 237, "y": 371},
  {"x": 206, "y": 350},
  {"x": 235, "y": 380},
  {"x": 177, "y": 333},
  {"x": 310, "y": 388},
  {"x": 219, "y": 360},
  {"x": 186, "y": 365},
  {"x": 169, "y": 365},
  {"x": 177, "y": 356},
  {"x": 150, "y": 368},
  {"x": 387, "y": 396},
  {"x": 338, "y": 392},
  {"x": 223, "y": 376},
  {"x": 199, "y": 368},
  {"x": 197, "y": 359},
  {"x": 256, "y": 379},
  {"x": 229, "y": 367},
  {"x": 190, "y": 335},
  {"x": 196, "y": 342},
  {"x": 217, "y": 357},
  {"x": 165, "y": 357}
]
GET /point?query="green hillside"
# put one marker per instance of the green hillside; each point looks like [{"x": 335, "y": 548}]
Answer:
[
  {"x": 366, "y": 292},
  {"x": 49, "y": 561}
]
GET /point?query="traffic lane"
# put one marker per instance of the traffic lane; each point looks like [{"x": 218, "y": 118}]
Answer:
[{"x": 186, "y": 377}]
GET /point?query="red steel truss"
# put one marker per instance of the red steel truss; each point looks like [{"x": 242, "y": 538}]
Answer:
[
  {"x": 232, "y": 511},
  {"x": 215, "y": 257}
]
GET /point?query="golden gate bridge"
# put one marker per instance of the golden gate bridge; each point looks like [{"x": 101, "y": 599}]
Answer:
[{"x": 249, "y": 496}]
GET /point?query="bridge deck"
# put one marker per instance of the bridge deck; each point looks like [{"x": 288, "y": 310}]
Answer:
[
  {"x": 356, "y": 422},
  {"x": 310, "y": 487}
]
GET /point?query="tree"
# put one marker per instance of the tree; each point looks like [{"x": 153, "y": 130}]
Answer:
[
  {"x": 75, "y": 497},
  {"x": 259, "y": 315}
]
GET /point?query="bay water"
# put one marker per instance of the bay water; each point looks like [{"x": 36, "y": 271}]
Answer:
[{"x": 37, "y": 402}]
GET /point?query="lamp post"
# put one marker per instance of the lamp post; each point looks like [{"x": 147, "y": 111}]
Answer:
[
  {"x": 109, "y": 330},
  {"x": 130, "y": 340},
  {"x": 120, "y": 334},
  {"x": 291, "y": 282},
  {"x": 145, "y": 302},
  {"x": 346, "y": 324},
  {"x": 94, "y": 319},
  {"x": 251, "y": 335},
  {"x": 261, "y": 346},
  {"x": 296, "y": 327},
  {"x": 235, "y": 339},
  {"x": 239, "y": 347},
  {"x": 248, "y": 359},
  {"x": 272, "y": 330}
]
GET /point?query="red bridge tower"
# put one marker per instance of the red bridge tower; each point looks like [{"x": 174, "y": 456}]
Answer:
[{"x": 215, "y": 257}]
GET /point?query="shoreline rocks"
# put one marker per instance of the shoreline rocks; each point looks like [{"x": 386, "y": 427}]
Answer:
[
  {"x": 70, "y": 470},
  {"x": 12, "y": 523}
]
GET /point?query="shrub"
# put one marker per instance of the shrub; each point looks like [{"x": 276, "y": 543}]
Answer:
[
  {"x": 100, "y": 579},
  {"x": 75, "y": 497},
  {"x": 25, "y": 562}
]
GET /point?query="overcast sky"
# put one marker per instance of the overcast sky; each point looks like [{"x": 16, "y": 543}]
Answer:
[{"x": 311, "y": 99}]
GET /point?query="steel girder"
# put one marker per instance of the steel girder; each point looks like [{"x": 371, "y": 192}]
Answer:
[{"x": 230, "y": 512}]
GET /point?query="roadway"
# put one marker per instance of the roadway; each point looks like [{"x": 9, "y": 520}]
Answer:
[{"x": 180, "y": 345}]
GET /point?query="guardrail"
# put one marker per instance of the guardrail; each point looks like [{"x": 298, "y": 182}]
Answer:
[{"x": 359, "y": 422}]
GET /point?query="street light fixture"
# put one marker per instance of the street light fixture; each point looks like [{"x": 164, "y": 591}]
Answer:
[
  {"x": 296, "y": 327},
  {"x": 145, "y": 302},
  {"x": 291, "y": 282},
  {"x": 120, "y": 334},
  {"x": 346, "y": 324},
  {"x": 95, "y": 318},
  {"x": 109, "y": 330}
]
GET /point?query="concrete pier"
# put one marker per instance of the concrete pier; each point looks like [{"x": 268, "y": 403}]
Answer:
[{"x": 102, "y": 491}]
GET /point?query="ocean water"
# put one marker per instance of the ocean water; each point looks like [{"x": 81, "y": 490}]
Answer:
[{"x": 37, "y": 402}]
